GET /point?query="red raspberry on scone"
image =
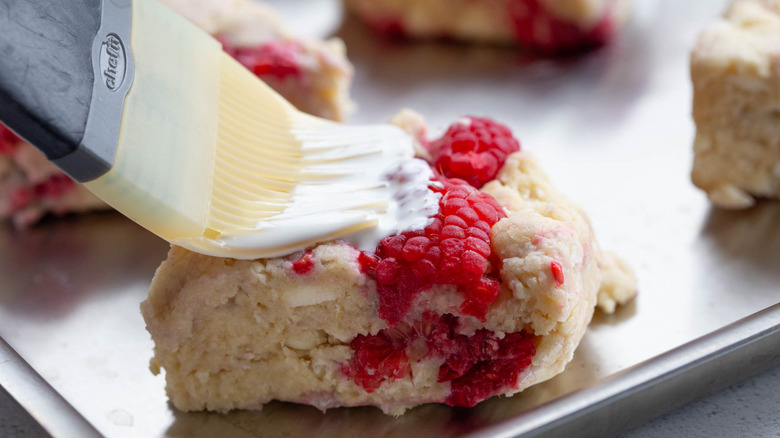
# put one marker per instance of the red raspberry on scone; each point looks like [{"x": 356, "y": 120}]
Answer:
[
  {"x": 278, "y": 59},
  {"x": 547, "y": 26},
  {"x": 491, "y": 295},
  {"x": 477, "y": 366},
  {"x": 474, "y": 149},
  {"x": 538, "y": 28},
  {"x": 453, "y": 250},
  {"x": 8, "y": 141}
]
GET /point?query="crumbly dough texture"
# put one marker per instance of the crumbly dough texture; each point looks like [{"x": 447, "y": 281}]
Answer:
[
  {"x": 735, "y": 69},
  {"x": 235, "y": 334},
  {"x": 479, "y": 21},
  {"x": 322, "y": 90}
]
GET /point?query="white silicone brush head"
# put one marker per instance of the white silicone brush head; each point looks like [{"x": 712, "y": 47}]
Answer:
[{"x": 212, "y": 159}]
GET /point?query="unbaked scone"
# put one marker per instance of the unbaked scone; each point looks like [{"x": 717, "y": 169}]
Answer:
[
  {"x": 735, "y": 69},
  {"x": 31, "y": 187},
  {"x": 313, "y": 75},
  {"x": 491, "y": 297},
  {"x": 551, "y": 26}
]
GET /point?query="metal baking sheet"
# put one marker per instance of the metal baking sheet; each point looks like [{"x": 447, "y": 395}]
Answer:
[{"x": 614, "y": 130}]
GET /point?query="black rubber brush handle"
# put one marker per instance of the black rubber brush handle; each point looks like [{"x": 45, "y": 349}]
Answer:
[{"x": 46, "y": 70}]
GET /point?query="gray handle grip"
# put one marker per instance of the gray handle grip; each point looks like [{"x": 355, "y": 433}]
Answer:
[
  {"x": 46, "y": 71},
  {"x": 65, "y": 70}
]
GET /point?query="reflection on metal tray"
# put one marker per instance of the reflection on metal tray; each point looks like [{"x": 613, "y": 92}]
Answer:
[{"x": 614, "y": 131}]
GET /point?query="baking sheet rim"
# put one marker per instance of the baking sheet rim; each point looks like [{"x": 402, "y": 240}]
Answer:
[{"x": 579, "y": 411}]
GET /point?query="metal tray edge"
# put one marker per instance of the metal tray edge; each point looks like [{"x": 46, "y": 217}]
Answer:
[
  {"x": 618, "y": 403},
  {"x": 657, "y": 385},
  {"x": 58, "y": 417}
]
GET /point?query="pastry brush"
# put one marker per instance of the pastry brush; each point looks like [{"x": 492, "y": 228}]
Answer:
[{"x": 150, "y": 114}]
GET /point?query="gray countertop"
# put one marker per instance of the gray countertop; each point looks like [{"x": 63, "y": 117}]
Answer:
[
  {"x": 749, "y": 408},
  {"x": 15, "y": 421}
]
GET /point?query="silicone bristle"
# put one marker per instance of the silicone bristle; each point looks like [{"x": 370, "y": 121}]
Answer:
[
  {"x": 257, "y": 163},
  {"x": 210, "y": 158},
  {"x": 267, "y": 151}
]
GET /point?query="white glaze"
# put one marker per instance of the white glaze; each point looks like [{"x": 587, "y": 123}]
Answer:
[{"x": 375, "y": 166}]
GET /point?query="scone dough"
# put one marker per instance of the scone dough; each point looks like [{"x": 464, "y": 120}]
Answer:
[
  {"x": 735, "y": 69},
  {"x": 546, "y": 25},
  {"x": 235, "y": 334}
]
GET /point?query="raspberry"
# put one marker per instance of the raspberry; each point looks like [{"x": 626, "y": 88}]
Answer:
[
  {"x": 8, "y": 141},
  {"x": 537, "y": 29},
  {"x": 497, "y": 364},
  {"x": 304, "y": 265},
  {"x": 276, "y": 58},
  {"x": 473, "y": 151},
  {"x": 477, "y": 366},
  {"x": 54, "y": 187},
  {"x": 392, "y": 28},
  {"x": 367, "y": 262},
  {"x": 19, "y": 198},
  {"x": 557, "y": 272},
  {"x": 453, "y": 250},
  {"x": 387, "y": 271},
  {"x": 378, "y": 358},
  {"x": 57, "y": 185}
]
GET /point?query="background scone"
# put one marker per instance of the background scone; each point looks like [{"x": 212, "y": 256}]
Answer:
[
  {"x": 735, "y": 68},
  {"x": 491, "y": 297},
  {"x": 550, "y": 26},
  {"x": 313, "y": 75},
  {"x": 30, "y": 186}
]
